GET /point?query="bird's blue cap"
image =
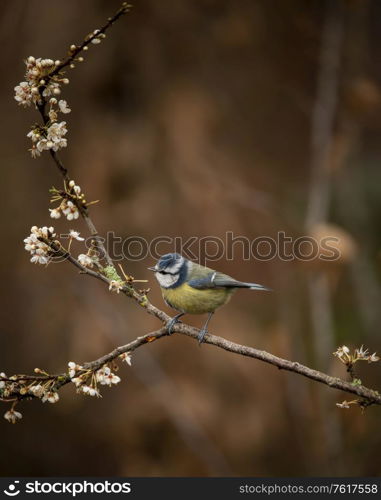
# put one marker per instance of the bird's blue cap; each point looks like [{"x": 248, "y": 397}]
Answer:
[{"x": 168, "y": 260}]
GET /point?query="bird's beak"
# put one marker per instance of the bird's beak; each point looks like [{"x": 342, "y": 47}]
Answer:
[{"x": 152, "y": 268}]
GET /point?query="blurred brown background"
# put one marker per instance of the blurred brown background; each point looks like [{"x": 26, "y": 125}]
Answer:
[{"x": 197, "y": 118}]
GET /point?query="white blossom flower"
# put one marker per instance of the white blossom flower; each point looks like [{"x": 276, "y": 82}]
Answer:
[
  {"x": 361, "y": 353},
  {"x": 23, "y": 94},
  {"x": 42, "y": 145},
  {"x": 70, "y": 210},
  {"x": 63, "y": 107},
  {"x": 56, "y": 131},
  {"x": 113, "y": 379},
  {"x": 28, "y": 92},
  {"x": 77, "y": 381},
  {"x": 126, "y": 356},
  {"x": 89, "y": 390},
  {"x": 53, "y": 88},
  {"x": 38, "y": 249},
  {"x": 55, "y": 213},
  {"x": 73, "y": 368},
  {"x": 50, "y": 397},
  {"x": 37, "y": 390},
  {"x": 85, "y": 260},
  {"x": 2, "y": 382},
  {"x": 46, "y": 62},
  {"x": 39, "y": 259},
  {"x": 48, "y": 138},
  {"x": 343, "y": 353},
  {"x": 34, "y": 152},
  {"x": 34, "y": 135},
  {"x": 115, "y": 286},
  {"x": 52, "y": 115},
  {"x": 74, "y": 187},
  {"x": 373, "y": 358},
  {"x": 31, "y": 242},
  {"x": 106, "y": 377},
  {"x": 75, "y": 235},
  {"x": 55, "y": 134},
  {"x": 344, "y": 404},
  {"x": 47, "y": 232},
  {"x": 12, "y": 416}
]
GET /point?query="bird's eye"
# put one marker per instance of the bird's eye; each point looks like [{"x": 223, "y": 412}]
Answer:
[{"x": 163, "y": 272}]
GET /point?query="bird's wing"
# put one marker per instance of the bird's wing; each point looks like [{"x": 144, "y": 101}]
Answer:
[
  {"x": 213, "y": 280},
  {"x": 219, "y": 280},
  {"x": 204, "y": 278}
]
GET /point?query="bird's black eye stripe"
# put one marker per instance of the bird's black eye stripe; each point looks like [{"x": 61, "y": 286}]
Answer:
[{"x": 166, "y": 272}]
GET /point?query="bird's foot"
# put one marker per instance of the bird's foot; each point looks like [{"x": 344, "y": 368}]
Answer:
[
  {"x": 171, "y": 323},
  {"x": 201, "y": 335}
]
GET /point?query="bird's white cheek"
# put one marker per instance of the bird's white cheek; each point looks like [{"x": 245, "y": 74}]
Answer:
[{"x": 166, "y": 280}]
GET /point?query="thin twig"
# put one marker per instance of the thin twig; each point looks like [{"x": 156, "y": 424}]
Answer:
[
  {"x": 124, "y": 8},
  {"x": 73, "y": 53}
]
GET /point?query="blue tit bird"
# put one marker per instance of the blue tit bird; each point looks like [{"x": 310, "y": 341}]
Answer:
[{"x": 190, "y": 288}]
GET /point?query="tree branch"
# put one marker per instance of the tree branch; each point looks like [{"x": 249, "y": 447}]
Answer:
[{"x": 368, "y": 395}]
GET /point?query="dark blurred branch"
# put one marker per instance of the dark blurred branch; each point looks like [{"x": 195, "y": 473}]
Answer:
[
  {"x": 323, "y": 114},
  {"x": 319, "y": 200}
]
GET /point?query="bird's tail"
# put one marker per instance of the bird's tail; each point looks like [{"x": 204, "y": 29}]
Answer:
[
  {"x": 256, "y": 286},
  {"x": 228, "y": 282},
  {"x": 242, "y": 284}
]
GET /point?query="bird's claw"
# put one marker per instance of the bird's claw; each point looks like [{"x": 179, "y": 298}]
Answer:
[
  {"x": 201, "y": 335},
  {"x": 171, "y": 323}
]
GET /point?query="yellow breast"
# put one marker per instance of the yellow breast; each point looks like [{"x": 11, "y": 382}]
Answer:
[{"x": 192, "y": 301}]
